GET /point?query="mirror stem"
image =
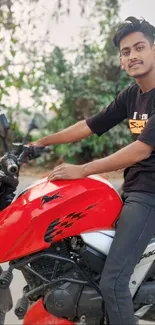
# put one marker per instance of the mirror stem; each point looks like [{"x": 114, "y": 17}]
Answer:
[{"x": 5, "y": 145}]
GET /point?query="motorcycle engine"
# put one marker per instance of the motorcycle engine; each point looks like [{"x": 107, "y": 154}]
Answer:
[
  {"x": 65, "y": 299},
  {"x": 72, "y": 301}
]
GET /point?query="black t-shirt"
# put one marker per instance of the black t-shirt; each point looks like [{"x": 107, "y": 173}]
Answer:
[{"x": 139, "y": 109}]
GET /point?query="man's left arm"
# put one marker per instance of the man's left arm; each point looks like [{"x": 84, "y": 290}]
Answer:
[{"x": 123, "y": 158}]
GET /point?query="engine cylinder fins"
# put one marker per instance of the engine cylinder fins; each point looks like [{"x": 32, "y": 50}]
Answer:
[{"x": 45, "y": 265}]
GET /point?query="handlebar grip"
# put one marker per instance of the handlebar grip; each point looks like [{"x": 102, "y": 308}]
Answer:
[{"x": 11, "y": 167}]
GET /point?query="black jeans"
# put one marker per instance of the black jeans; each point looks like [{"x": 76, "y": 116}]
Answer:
[{"x": 135, "y": 229}]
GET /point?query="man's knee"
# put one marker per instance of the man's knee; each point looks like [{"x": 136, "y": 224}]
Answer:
[
  {"x": 110, "y": 285},
  {"x": 107, "y": 285}
]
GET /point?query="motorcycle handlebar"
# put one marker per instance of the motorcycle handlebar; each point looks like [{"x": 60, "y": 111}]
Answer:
[
  {"x": 31, "y": 152},
  {"x": 20, "y": 154}
]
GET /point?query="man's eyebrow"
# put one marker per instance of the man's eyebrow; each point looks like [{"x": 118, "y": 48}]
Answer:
[{"x": 127, "y": 48}]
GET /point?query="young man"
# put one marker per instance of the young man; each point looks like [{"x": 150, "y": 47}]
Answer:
[{"x": 135, "y": 39}]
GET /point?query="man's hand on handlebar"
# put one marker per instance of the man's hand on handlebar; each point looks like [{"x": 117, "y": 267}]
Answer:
[{"x": 36, "y": 144}]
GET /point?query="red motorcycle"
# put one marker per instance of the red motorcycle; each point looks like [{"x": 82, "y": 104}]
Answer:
[{"x": 58, "y": 234}]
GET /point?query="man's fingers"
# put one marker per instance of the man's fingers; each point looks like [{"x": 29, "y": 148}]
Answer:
[
  {"x": 55, "y": 175},
  {"x": 57, "y": 169},
  {"x": 56, "y": 172}
]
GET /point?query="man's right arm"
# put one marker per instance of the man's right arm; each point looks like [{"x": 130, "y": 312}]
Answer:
[
  {"x": 76, "y": 132},
  {"x": 98, "y": 124}
]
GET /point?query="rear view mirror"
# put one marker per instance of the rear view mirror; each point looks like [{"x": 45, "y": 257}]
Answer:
[
  {"x": 4, "y": 126},
  {"x": 39, "y": 121}
]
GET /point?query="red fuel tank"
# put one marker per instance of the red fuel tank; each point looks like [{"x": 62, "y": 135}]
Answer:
[{"x": 48, "y": 212}]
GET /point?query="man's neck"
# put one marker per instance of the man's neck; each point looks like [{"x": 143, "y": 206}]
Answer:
[{"x": 146, "y": 83}]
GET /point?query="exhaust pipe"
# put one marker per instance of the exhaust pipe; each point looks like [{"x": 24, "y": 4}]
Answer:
[{"x": 142, "y": 311}]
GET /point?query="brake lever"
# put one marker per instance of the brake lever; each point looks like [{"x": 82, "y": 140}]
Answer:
[{"x": 30, "y": 153}]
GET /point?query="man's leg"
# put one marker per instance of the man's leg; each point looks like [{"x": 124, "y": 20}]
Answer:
[{"x": 135, "y": 229}]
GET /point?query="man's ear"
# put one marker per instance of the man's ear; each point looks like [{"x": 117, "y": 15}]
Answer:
[
  {"x": 121, "y": 64},
  {"x": 154, "y": 49}
]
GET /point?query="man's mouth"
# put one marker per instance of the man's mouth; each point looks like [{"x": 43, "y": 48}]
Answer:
[{"x": 135, "y": 64}]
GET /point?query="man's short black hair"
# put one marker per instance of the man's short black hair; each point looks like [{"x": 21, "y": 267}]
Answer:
[{"x": 132, "y": 25}]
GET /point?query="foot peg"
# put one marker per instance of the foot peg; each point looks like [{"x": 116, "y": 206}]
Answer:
[
  {"x": 2, "y": 318},
  {"x": 6, "y": 278},
  {"x": 21, "y": 307}
]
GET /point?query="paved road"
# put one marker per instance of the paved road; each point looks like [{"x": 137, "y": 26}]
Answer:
[{"x": 18, "y": 281}]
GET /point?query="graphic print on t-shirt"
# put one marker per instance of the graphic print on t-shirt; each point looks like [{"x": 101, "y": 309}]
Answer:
[{"x": 137, "y": 125}]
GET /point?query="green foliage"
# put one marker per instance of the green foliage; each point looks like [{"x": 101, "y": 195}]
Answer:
[
  {"x": 87, "y": 86},
  {"x": 84, "y": 86}
]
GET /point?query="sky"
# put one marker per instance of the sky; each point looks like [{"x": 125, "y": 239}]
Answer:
[
  {"x": 138, "y": 8},
  {"x": 67, "y": 33}
]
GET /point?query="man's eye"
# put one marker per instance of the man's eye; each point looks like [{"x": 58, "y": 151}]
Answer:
[
  {"x": 140, "y": 48},
  {"x": 126, "y": 53}
]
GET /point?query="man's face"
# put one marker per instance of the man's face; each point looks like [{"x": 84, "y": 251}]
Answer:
[{"x": 137, "y": 55}]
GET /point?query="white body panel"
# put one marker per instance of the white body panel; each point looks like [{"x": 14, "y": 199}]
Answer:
[{"x": 102, "y": 240}]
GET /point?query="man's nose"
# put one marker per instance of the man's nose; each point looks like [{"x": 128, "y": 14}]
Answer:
[{"x": 133, "y": 55}]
